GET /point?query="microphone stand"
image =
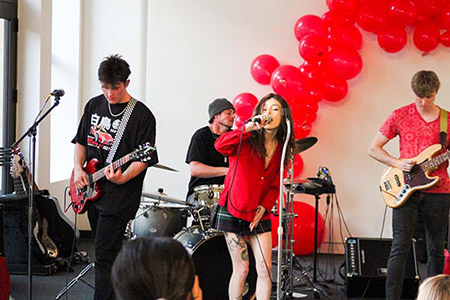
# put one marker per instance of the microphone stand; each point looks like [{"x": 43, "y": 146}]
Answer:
[
  {"x": 280, "y": 210},
  {"x": 31, "y": 133}
]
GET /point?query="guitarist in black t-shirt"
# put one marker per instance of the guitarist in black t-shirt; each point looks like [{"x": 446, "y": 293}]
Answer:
[
  {"x": 208, "y": 166},
  {"x": 121, "y": 190}
]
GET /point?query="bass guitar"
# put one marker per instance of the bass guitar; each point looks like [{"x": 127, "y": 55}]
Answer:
[
  {"x": 81, "y": 197},
  {"x": 397, "y": 186}
]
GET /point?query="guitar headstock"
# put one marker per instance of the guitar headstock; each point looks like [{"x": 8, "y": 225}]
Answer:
[
  {"x": 18, "y": 164},
  {"x": 143, "y": 153}
]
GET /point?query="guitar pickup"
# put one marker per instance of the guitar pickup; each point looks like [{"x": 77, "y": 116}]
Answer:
[
  {"x": 387, "y": 186},
  {"x": 397, "y": 180}
]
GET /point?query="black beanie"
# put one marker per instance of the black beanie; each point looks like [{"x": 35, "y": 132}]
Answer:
[{"x": 218, "y": 106}]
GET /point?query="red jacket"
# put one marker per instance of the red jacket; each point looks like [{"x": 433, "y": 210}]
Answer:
[{"x": 253, "y": 185}]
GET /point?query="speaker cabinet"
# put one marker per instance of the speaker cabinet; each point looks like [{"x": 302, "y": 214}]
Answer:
[
  {"x": 15, "y": 233},
  {"x": 366, "y": 268}
]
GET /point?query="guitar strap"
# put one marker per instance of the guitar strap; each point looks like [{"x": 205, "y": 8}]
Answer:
[
  {"x": 443, "y": 133},
  {"x": 123, "y": 123}
]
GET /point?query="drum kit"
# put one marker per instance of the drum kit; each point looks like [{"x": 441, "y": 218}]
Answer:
[{"x": 162, "y": 215}]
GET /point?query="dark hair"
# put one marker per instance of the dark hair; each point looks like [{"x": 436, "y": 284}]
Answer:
[
  {"x": 424, "y": 83},
  {"x": 149, "y": 269},
  {"x": 257, "y": 138},
  {"x": 113, "y": 69}
]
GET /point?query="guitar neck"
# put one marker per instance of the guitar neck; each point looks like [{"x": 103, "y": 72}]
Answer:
[
  {"x": 21, "y": 185},
  {"x": 435, "y": 161},
  {"x": 101, "y": 173}
]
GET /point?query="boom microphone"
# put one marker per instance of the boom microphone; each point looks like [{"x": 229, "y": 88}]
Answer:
[{"x": 57, "y": 93}]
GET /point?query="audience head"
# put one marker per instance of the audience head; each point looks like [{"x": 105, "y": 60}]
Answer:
[
  {"x": 150, "y": 269},
  {"x": 435, "y": 288}
]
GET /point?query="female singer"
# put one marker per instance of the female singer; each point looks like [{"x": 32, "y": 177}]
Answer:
[{"x": 251, "y": 189}]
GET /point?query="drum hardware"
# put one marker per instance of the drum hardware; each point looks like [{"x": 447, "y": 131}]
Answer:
[
  {"x": 286, "y": 258},
  {"x": 163, "y": 167}
]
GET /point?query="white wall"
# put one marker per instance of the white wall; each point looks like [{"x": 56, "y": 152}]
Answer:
[{"x": 184, "y": 54}]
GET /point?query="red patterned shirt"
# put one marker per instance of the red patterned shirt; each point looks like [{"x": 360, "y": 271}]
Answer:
[{"x": 416, "y": 135}]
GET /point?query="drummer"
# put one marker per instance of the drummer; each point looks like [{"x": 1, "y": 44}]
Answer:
[{"x": 208, "y": 166}]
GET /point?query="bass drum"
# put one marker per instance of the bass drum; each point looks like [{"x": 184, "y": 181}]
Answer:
[
  {"x": 213, "y": 264},
  {"x": 159, "y": 220}
]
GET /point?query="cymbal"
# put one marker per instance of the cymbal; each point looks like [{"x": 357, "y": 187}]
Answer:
[
  {"x": 303, "y": 144},
  {"x": 163, "y": 167},
  {"x": 161, "y": 197}
]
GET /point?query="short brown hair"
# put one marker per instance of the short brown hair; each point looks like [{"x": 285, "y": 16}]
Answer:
[{"x": 424, "y": 83}]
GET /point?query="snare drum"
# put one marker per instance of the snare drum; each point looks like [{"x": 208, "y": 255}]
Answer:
[
  {"x": 207, "y": 195},
  {"x": 208, "y": 250},
  {"x": 154, "y": 219}
]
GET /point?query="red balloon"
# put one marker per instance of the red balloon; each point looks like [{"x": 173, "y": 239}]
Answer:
[
  {"x": 312, "y": 47},
  {"x": 303, "y": 229},
  {"x": 262, "y": 68},
  {"x": 244, "y": 104},
  {"x": 345, "y": 36},
  {"x": 428, "y": 10},
  {"x": 426, "y": 37},
  {"x": 332, "y": 18},
  {"x": 287, "y": 81},
  {"x": 372, "y": 17},
  {"x": 302, "y": 129},
  {"x": 402, "y": 12},
  {"x": 445, "y": 17},
  {"x": 238, "y": 122},
  {"x": 335, "y": 88},
  {"x": 311, "y": 70},
  {"x": 445, "y": 39},
  {"x": 342, "y": 62},
  {"x": 392, "y": 39},
  {"x": 309, "y": 24},
  {"x": 346, "y": 7}
]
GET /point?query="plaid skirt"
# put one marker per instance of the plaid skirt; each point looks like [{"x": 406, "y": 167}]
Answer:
[{"x": 224, "y": 221}]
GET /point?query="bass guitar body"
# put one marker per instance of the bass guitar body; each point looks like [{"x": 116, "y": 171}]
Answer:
[
  {"x": 81, "y": 197},
  {"x": 397, "y": 186}
]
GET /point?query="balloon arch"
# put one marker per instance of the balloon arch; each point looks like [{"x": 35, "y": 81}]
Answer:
[{"x": 329, "y": 45}]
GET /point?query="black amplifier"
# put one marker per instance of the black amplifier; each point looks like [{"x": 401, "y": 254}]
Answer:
[{"x": 366, "y": 268}]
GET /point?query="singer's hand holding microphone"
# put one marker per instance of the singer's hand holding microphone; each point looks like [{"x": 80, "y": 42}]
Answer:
[{"x": 257, "y": 122}]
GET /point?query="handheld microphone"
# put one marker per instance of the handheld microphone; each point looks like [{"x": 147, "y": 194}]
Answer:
[
  {"x": 57, "y": 93},
  {"x": 260, "y": 118}
]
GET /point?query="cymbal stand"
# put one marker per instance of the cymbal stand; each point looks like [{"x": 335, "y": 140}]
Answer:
[{"x": 287, "y": 249}]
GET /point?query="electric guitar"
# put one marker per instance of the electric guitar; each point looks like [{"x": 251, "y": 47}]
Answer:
[
  {"x": 397, "y": 186},
  {"x": 19, "y": 173},
  {"x": 81, "y": 197}
]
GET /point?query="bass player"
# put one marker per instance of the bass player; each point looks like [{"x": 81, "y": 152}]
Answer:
[
  {"x": 418, "y": 127},
  {"x": 121, "y": 191}
]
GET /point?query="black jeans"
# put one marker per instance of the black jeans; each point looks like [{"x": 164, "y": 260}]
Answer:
[
  {"x": 108, "y": 237},
  {"x": 435, "y": 209}
]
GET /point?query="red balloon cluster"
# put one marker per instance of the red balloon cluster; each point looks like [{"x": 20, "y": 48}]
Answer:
[
  {"x": 389, "y": 18},
  {"x": 303, "y": 229}
]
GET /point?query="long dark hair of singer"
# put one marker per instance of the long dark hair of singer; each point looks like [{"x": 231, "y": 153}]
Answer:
[
  {"x": 257, "y": 138},
  {"x": 149, "y": 269}
]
